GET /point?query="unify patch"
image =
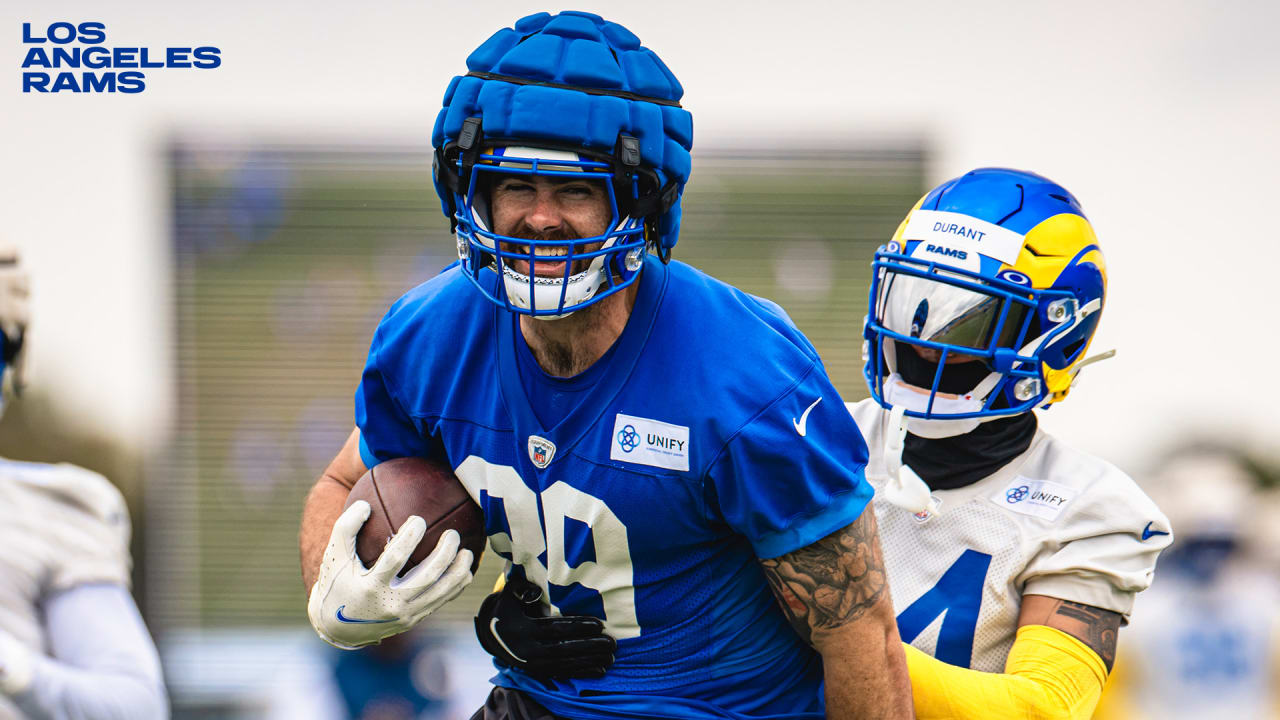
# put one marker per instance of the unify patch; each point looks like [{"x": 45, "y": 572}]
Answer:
[
  {"x": 1038, "y": 498},
  {"x": 649, "y": 442}
]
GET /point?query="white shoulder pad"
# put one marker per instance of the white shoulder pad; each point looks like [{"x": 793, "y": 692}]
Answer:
[
  {"x": 74, "y": 486},
  {"x": 84, "y": 521}
]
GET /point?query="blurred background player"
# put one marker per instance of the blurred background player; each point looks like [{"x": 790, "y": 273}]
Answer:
[
  {"x": 1205, "y": 640},
  {"x": 1013, "y": 558},
  {"x": 404, "y": 677},
  {"x": 72, "y": 644},
  {"x": 564, "y": 405}
]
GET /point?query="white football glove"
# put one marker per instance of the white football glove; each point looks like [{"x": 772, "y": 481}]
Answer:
[
  {"x": 15, "y": 665},
  {"x": 351, "y": 606}
]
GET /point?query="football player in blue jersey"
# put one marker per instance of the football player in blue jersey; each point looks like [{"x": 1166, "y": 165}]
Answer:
[
  {"x": 659, "y": 456},
  {"x": 1014, "y": 559}
]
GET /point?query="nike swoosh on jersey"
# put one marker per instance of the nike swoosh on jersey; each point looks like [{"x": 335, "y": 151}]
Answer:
[
  {"x": 804, "y": 417},
  {"x": 1148, "y": 533},
  {"x": 356, "y": 621}
]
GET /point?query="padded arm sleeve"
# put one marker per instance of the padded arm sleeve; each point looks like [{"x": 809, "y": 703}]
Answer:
[
  {"x": 1048, "y": 675},
  {"x": 104, "y": 664}
]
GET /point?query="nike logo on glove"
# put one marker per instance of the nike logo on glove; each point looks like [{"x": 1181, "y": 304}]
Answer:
[
  {"x": 357, "y": 621},
  {"x": 1148, "y": 533},
  {"x": 804, "y": 418}
]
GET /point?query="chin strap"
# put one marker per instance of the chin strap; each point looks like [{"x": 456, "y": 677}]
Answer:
[{"x": 905, "y": 489}]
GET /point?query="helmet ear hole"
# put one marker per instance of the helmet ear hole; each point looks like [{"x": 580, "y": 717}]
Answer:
[
  {"x": 1062, "y": 353},
  {"x": 1070, "y": 351}
]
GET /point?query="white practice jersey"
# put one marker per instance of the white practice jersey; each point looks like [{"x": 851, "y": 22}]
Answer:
[
  {"x": 60, "y": 526},
  {"x": 1054, "y": 522}
]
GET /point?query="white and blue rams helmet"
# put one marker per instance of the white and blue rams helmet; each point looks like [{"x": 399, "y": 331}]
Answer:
[
  {"x": 569, "y": 95},
  {"x": 997, "y": 266}
]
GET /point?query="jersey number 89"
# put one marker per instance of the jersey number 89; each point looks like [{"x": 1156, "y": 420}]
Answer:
[{"x": 537, "y": 523}]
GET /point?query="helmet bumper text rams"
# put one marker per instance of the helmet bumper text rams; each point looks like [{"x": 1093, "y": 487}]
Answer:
[{"x": 569, "y": 97}]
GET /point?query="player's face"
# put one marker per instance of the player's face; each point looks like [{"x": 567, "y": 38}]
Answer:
[
  {"x": 933, "y": 354},
  {"x": 961, "y": 374},
  {"x": 542, "y": 208}
]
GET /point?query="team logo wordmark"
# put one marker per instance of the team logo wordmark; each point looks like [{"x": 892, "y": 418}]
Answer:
[{"x": 949, "y": 252}]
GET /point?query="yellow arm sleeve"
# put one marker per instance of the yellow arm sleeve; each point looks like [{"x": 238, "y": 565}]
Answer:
[{"x": 1048, "y": 675}]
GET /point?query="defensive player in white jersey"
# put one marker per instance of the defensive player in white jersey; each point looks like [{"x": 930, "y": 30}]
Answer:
[
  {"x": 72, "y": 644},
  {"x": 1014, "y": 559}
]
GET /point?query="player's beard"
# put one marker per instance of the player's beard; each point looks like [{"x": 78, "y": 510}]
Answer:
[{"x": 560, "y": 352}]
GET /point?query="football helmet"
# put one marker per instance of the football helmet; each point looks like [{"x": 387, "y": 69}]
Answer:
[
  {"x": 984, "y": 303},
  {"x": 564, "y": 96}
]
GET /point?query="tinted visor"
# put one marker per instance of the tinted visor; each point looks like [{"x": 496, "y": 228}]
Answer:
[{"x": 932, "y": 309}]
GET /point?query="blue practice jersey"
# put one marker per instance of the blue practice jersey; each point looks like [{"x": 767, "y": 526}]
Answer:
[{"x": 709, "y": 437}]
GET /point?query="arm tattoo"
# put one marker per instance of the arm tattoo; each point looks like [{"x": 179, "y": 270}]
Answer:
[
  {"x": 831, "y": 582},
  {"x": 1091, "y": 625}
]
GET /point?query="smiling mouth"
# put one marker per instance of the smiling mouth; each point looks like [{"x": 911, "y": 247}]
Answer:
[{"x": 548, "y": 268}]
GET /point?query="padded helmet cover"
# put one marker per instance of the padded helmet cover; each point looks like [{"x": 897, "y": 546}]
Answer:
[{"x": 573, "y": 79}]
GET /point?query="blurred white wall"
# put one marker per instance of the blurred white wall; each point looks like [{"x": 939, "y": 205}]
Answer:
[{"x": 1159, "y": 116}]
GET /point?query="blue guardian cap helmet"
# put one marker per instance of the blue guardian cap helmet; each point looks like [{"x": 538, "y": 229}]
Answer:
[
  {"x": 569, "y": 96},
  {"x": 999, "y": 268}
]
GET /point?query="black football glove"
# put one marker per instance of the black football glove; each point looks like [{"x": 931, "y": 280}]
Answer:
[{"x": 519, "y": 631}]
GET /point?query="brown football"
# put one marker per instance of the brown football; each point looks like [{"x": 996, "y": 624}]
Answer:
[{"x": 402, "y": 487}]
